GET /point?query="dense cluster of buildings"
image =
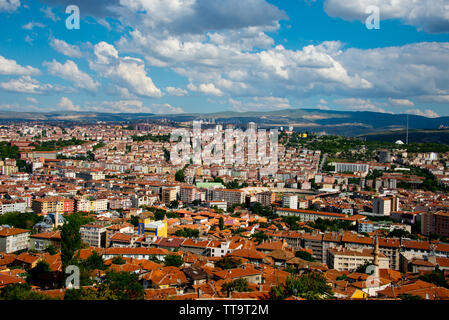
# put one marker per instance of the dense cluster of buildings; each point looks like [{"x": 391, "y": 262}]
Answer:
[{"x": 121, "y": 179}]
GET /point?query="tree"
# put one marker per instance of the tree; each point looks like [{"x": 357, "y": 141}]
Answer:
[
  {"x": 187, "y": 233},
  {"x": 51, "y": 250},
  {"x": 435, "y": 277},
  {"x": 311, "y": 286},
  {"x": 70, "y": 240},
  {"x": 363, "y": 267},
  {"x": 221, "y": 223},
  {"x": 134, "y": 221},
  {"x": 179, "y": 176},
  {"x": 259, "y": 237},
  {"x": 39, "y": 275},
  {"x": 304, "y": 255},
  {"x": 227, "y": 263},
  {"x": 118, "y": 260},
  {"x": 95, "y": 261},
  {"x": 124, "y": 285},
  {"x": 173, "y": 260},
  {"x": 21, "y": 291},
  {"x": 174, "y": 204},
  {"x": 239, "y": 285}
]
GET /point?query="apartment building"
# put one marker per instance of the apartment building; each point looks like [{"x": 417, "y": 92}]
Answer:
[
  {"x": 231, "y": 196},
  {"x": 91, "y": 204},
  {"x": 343, "y": 259},
  {"x": 308, "y": 215},
  {"x": 53, "y": 205},
  {"x": 12, "y": 206},
  {"x": 168, "y": 195},
  {"x": 266, "y": 198},
  {"x": 13, "y": 239},
  {"x": 435, "y": 222},
  {"x": 188, "y": 194},
  {"x": 42, "y": 241},
  {"x": 290, "y": 201},
  {"x": 94, "y": 235},
  {"x": 351, "y": 167}
]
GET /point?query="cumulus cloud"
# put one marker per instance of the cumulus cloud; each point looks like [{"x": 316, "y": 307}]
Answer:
[
  {"x": 260, "y": 104},
  {"x": 32, "y": 24},
  {"x": 9, "y": 5},
  {"x": 133, "y": 106},
  {"x": 69, "y": 71},
  {"x": 357, "y": 104},
  {"x": 50, "y": 14},
  {"x": 25, "y": 84},
  {"x": 32, "y": 100},
  {"x": 126, "y": 72},
  {"x": 65, "y": 48},
  {"x": 178, "y": 92},
  {"x": 430, "y": 16},
  {"x": 426, "y": 113},
  {"x": 206, "y": 88},
  {"x": 10, "y": 67},
  {"x": 401, "y": 102},
  {"x": 67, "y": 104}
]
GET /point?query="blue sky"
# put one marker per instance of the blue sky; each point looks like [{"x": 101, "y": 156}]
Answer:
[{"x": 173, "y": 56}]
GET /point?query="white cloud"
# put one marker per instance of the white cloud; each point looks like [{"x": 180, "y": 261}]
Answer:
[
  {"x": 65, "y": 48},
  {"x": 426, "y": 113},
  {"x": 67, "y": 104},
  {"x": 402, "y": 102},
  {"x": 357, "y": 104},
  {"x": 431, "y": 16},
  {"x": 9, "y": 5},
  {"x": 32, "y": 24},
  {"x": 32, "y": 100},
  {"x": 50, "y": 14},
  {"x": 25, "y": 84},
  {"x": 166, "y": 109},
  {"x": 126, "y": 72},
  {"x": 434, "y": 98},
  {"x": 69, "y": 71},
  {"x": 10, "y": 67},
  {"x": 178, "y": 92},
  {"x": 134, "y": 106},
  {"x": 206, "y": 88},
  {"x": 260, "y": 104}
]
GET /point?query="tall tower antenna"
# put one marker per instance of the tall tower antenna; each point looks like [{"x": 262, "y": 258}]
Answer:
[{"x": 407, "y": 129}]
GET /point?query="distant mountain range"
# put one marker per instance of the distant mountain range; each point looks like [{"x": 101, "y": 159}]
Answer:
[{"x": 351, "y": 123}]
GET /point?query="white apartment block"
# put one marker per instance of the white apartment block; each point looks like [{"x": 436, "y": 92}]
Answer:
[
  {"x": 290, "y": 201},
  {"x": 351, "y": 167},
  {"x": 94, "y": 235},
  {"x": 13, "y": 239}
]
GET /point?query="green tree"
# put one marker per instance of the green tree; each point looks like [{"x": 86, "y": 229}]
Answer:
[
  {"x": 259, "y": 237},
  {"x": 173, "y": 260},
  {"x": 94, "y": 261},
  {"x": 70, "y": 240},
  {"x": 227, "y": 263},
  {"x": 221, "y": 223},
  {"x": 310, "y": 286},
  {"x": 124, "y": 285},
  {"x": 39, "y": 275},
  {"x": 239, "y": 285},
  {"x": 118, "y": 260},
  {"x": 179, "y": 176},
  {"x": 435, "y": 277},
  {"x": 304, "y": 255},
  {"x": 21, "y": 291}
]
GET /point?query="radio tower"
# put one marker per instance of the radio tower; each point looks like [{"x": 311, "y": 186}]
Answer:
[{"x": 407, "y": 130}]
